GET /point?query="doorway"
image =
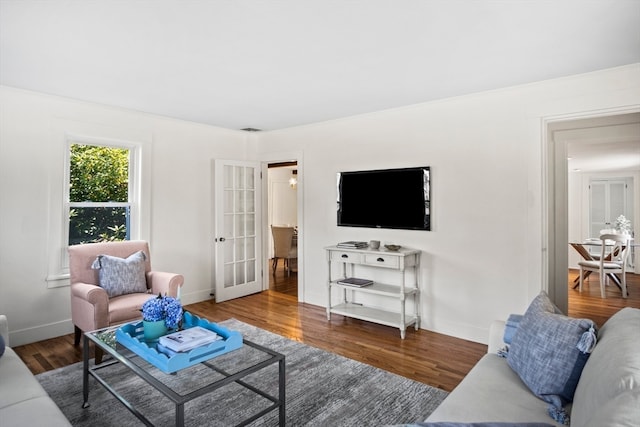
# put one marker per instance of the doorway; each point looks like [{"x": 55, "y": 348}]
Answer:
[
  {"x": 599, "y": 142},
  {"x": 282, "y": 210}
]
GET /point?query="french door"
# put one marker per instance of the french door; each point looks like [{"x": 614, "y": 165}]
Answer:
[{"x": 237, "y": 212}]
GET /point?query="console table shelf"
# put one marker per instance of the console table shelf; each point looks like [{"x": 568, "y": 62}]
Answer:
[
  {"x": 358, "y": 311},
  {"x": 398, "y": 261}
]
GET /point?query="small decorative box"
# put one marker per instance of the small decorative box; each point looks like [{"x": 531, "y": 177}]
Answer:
[{"x": 131, "y": 336}]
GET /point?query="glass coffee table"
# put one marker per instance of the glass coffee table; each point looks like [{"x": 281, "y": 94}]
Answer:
[{"x": 208, "y": 379}]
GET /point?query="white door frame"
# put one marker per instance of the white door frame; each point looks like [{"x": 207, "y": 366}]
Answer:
[
  {"x": 554, "y": 204},
  {"x": 265, "y": 159}
]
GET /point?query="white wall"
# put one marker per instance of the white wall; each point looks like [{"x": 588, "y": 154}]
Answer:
[
  {"x": 31, "y": 166},
  {"x": 484, "y": 258}
]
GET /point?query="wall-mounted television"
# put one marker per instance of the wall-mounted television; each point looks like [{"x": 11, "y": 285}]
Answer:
[{"x": 385, "y": 198}]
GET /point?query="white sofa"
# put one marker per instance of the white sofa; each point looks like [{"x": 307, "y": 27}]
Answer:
[
  {"x": 23, "y": 401},
  {"x": 608, "y": 391}
]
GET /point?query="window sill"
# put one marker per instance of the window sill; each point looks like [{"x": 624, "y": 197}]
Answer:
[{"x": 57, "y": 280}]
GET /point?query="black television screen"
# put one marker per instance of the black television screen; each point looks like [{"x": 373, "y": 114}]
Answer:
[{"x": 388, "y": 198}]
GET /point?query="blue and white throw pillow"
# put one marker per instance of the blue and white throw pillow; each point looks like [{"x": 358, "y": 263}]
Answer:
[
  {"x": 549, "y": 351},
  {"x": 120, "y": 276}
]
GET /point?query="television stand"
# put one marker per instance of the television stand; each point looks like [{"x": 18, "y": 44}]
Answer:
[{"x": 369, "y": 259}]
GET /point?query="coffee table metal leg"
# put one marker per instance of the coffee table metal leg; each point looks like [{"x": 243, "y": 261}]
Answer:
[
  {"x": 179, "y": 415},
  {"x": 282, "y": 392},
  {"x": 85, "y": 371}
]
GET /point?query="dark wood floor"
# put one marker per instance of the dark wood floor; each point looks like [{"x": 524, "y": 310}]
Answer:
[
  {"x": 424, "y": 356},
  {"x": 590, "y": 305}
]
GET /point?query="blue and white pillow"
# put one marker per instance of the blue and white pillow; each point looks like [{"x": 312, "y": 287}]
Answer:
[
  {"x": 549, "y": 351},
  {"x": 121, "y": 276}
]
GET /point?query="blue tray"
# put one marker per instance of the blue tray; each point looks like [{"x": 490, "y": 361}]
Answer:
[{"x": 131, "y": 336}]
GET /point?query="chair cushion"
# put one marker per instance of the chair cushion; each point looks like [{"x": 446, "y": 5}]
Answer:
[
  {"x": 544, "y": 353},
  {"x": 590, "y": 264},
  {"x": 120, "y": 276}
]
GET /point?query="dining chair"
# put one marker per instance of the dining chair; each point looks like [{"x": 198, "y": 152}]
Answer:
[
  {"x": 283, "y": 247},
  {"x": 615, "y": 262}
]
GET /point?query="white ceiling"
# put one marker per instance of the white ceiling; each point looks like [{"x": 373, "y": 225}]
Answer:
[
  {"x": 275, "y": 64},
  {"x": 602, "y": 144}
]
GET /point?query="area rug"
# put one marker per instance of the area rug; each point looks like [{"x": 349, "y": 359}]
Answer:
[{"x": 322, "y": 389}]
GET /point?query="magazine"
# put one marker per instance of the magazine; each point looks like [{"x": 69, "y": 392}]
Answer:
[
  {"x": 353, "y": 281},
  {"x": 188, "y": 339}
]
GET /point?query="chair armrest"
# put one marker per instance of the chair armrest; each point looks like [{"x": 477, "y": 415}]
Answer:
[
  {"x": 4, "y": 329},
  {"x": 496, "y": 335},
  {"x": 89, "y": 306},
  {"x": 164, "y": 283},
  {"x": 91, "y": 293}
]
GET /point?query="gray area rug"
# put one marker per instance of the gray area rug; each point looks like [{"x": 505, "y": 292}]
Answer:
[{"x": 323, "y": 389}]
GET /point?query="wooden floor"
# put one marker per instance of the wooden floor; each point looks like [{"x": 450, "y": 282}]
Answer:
[
  {"x": 590, "y": 305},
  {"x": 281, "y": 281},
  {"x": 424, "y": 356}
]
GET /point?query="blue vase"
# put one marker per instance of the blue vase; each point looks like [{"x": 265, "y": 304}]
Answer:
[{"x": 154, "y": 330}]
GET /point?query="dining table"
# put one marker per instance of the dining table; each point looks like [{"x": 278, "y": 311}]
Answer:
[{"x": 583, "y": 249}]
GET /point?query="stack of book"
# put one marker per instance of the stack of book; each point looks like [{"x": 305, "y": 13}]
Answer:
[
  {"x": 352, "y": 245},
  {"x": 188, "y": 339},
  {"x": 354, "y": 281}
]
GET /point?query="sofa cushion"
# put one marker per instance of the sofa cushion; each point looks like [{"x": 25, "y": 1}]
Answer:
[
  {"x": 17, "y": 383},
  {"x": 121, "y": 276},
  {"x": 608, "y": 392},
  {"x": 489, "y": 424},
  {"x": 544, "y": 352},
  {"x": 39, "y": 411},
  {"x": 491, "y": 392}
]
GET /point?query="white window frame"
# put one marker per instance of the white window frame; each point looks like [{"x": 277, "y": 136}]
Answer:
[
  {"x": 138, "y": 193},
  {"x": 133, "y": 191}
]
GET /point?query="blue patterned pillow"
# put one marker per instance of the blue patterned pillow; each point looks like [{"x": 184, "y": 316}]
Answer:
[
  {"x": 1, "y": 346},
  {"x": 120, "y": 276},
  {"x": 544, "y": 352}
]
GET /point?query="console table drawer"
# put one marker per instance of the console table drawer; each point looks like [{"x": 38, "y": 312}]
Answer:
[
  {"x": 350, "y": 257},
  {"x": 381, "y": 260}
]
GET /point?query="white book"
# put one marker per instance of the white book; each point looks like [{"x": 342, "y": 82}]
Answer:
[{"x": 188, "y": 339}]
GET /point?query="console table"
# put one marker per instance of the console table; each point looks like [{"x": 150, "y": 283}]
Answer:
[{"x": 399, "y": 261}]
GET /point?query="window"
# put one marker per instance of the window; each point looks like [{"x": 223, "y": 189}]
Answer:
[
  {"x": 100, "y": 193},
  {"x": 101, "y": 190}
]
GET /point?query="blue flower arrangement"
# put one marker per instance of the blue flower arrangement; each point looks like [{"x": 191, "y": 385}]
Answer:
[{"x": 164, "y": 308}]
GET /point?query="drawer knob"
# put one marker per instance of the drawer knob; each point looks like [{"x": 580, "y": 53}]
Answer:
[
  {"x": 380, "y": 260},
  {"x": 345, "y": 256}
]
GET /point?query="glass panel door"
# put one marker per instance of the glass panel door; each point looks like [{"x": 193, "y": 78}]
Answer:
[{"x": 237, "y": 234}]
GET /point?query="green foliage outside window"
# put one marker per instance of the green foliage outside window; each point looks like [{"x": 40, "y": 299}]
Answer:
[{"x": 98, "y": 174}]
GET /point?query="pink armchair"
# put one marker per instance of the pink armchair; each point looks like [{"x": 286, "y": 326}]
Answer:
[{"x": 91, "y": 307}]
